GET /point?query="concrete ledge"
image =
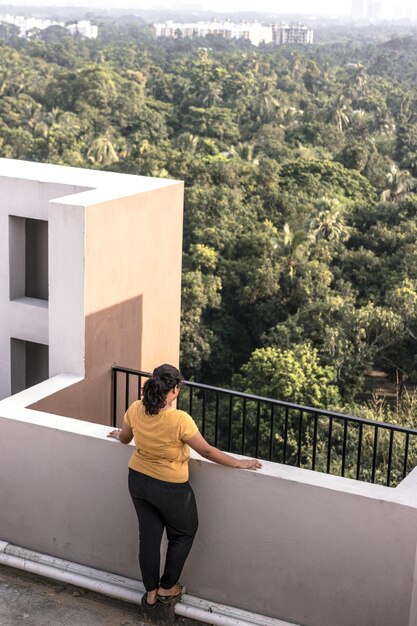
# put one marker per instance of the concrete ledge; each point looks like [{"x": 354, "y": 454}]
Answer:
[
  {"x": 283, "y": 542},
  {"x": 90, "y": 186}
]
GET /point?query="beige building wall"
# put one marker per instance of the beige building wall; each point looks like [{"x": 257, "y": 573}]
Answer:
[{"x": 133, "y": 251}]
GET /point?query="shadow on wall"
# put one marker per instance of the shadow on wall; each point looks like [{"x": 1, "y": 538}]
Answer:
[{"x": 113, "y": 335}]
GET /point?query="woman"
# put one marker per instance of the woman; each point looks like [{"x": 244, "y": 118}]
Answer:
[{"x": 158, "y": 479}]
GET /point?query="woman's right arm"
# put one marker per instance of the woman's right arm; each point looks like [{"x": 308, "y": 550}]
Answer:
[{"x": 200, "y": 445}]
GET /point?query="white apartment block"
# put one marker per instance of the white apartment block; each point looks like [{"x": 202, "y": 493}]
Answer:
[
  {"x": 84, "y": 28},
  {"x": 284, "y": 34},
  {"x": 28, "y": 24},
  {"x": 252, "y": 31}
]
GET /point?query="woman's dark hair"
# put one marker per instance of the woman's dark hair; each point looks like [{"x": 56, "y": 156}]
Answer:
[{"x": 163, "y": 379}]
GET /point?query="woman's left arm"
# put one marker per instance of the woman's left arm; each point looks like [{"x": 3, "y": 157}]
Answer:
[{"x": 124, "y": 434}]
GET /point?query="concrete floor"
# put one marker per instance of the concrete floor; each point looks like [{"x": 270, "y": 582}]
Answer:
[{"x": 30, "y": 600}]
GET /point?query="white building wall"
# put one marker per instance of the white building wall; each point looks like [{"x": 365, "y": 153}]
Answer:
[
  {"x": 289, "y": 543},
  {"x": 66, "y": 289},
  {"x": 41, "y": 321}
]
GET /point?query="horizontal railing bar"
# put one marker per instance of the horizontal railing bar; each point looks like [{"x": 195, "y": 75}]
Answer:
[
  {"x": 129, "y": 370},
  {"x": 282, "y": 403}
]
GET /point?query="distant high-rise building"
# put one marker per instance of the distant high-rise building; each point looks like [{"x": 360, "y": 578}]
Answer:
[
  {"x": 359, "y": 8},
  {"x": 405, "y": 11},
  {"x": 376, "y": 10},
  {"x": 367, "y": 9}
]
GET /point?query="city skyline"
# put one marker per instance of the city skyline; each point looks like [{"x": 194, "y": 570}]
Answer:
[{"x": 389, "y": 9}]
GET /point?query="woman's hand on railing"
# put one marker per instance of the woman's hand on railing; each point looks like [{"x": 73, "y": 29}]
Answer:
[
  {"x": 115, "y": 434},
  {"x": 124, "y": 435},
  {"x": 252, "y": 464}
]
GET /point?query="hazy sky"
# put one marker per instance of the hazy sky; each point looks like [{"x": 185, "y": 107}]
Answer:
[
  {"x": 390, "y": 8},
  {"x": 285, "y": 6}
]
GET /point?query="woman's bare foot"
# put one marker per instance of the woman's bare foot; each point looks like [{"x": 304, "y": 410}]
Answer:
[{"x": 151, "y": 597}]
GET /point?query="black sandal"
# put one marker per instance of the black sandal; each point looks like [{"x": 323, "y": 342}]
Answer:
[{"x": 168, "y": 599}]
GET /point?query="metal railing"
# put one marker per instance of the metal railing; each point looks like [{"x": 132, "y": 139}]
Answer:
[{"x": 282, "y": 432}]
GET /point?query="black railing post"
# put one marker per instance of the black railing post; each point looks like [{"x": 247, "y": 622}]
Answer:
[
  {"x": 271, "y": 433},
  {"x": 407, "y": 441},
  {"x": 345, "y": 426},
  {"x": 391, "y": 442},
  {"x": 313, "y": 461},
  {"x": 258, "y": 424},
  {"x": 229, "y": 433},
  {"x": 285, "y": 435},
  {"x": 300, "y": 435},
  {"x": 127, "y": 394},
  {"x": 358, "y": 464},
  {"x": 216, "y": 421},
  {"x": 243, "y": 428},
  {"x": 374, "y": 453},
  {"x": 114, "y": 397},
  {"x": 329, "y": 445}
]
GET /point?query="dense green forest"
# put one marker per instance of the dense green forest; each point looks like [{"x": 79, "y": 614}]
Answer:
[{"x": 300, "y": 166}]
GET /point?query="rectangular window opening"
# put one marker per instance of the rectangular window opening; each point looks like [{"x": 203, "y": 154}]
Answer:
[
  {"x": 29, "y": 364},
  {"x": 28, "y": 258}
]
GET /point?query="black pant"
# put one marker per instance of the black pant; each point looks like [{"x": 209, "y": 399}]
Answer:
[{"x": 160, "y": 505}]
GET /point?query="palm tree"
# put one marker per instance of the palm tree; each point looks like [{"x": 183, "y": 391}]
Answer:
[
  {"x": 359, "y": 77},
  {"x": 381, "y": 122},
  {"x": 339, "y": 113},
  {"x": 400, "y": 184},
  {"x": 329, "y": 221},
  {"x": 213, "y": 95},
  {"x": 67, "y": 121},
  {"x": 294, "y": 248},
  {"x": 407, "y": 113},
  {"x": 246, "y": 152},
  {"x": 34, "y": 118},
  {"x": 187, "y": 142},
  {"x": 410, "y": 162},
  {"x": 102, "y": 151},
  {"x": 295, "y": 64},
  {"x": 266, "y": 101}
]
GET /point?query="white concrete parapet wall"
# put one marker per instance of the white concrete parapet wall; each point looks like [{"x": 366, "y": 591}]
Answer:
[{"x": 293, "y": 544}]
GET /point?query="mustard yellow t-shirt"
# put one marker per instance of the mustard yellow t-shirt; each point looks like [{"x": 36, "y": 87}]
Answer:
[{"x": 161, "y": 451}]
